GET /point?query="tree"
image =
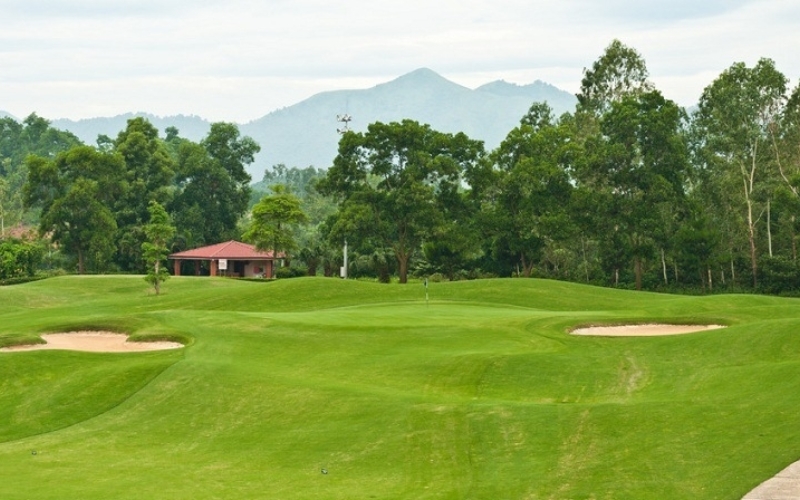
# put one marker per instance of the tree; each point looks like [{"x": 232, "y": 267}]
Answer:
[
  {"x": 213, "y": 185},
  {"x": 81, "y": 224},
  {"x": 396, "y": 182},
  {"x": 619, "y": 72},
  {"x": 272, "y": 218},
  {"x": 75, "y": 191},
  {"x": 148, "y": 176},
  {"x": 159, "y": 232},
  {"x": 732, "y": 123},
  {"x": 641, "y": 167},
  {"x": 18, "y": 140},
  {"x": 533, "y": 188}
]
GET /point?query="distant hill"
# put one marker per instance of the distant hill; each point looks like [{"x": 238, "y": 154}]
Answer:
[
  {"x": 6, "y": 114},
  {"x": 87, "y": 130},
  {"x": 305, "y": 134}
]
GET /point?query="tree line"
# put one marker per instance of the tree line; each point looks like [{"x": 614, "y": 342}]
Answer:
[
  {"x": 628, "y": 190},
  {"x": 93, "y": 202}
]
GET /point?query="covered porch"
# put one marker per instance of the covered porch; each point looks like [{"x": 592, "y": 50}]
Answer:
[{"x": 232, "y": 259}]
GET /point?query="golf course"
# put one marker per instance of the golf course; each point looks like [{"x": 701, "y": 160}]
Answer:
[{"x": 323, "y": 388}]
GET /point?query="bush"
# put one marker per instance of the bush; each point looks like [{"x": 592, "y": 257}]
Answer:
[
  {"x": 291, "y": 272},
  {"x": 19, "y": 258},
  {"x": 19, "y": 280},
  {"x": 779, "y": 275}
]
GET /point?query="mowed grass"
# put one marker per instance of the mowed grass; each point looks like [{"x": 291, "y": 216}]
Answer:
[{"x": 480, "y": 393}]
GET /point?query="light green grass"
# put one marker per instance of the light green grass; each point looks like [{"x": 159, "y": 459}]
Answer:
[{"x": 480, "y": 393}]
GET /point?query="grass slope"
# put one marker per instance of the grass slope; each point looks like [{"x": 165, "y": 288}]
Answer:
[{"x": 479, "y": 394}]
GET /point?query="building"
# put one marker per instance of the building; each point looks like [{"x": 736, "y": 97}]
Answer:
[{"x": 232, "y": 258}]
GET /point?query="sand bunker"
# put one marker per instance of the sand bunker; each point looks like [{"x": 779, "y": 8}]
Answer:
[
  {"x": 93, "y": 342},
  {"x": 651, "y": 330}
]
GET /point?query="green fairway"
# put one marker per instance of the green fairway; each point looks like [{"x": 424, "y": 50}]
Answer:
[{"x": 479, "y": 393}]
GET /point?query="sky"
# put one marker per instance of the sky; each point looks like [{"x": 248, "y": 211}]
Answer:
[{"x": 238, "y": 60}]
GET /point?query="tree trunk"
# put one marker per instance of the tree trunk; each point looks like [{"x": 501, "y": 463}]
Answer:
[
  {"x": 710, "y": 281},
  {"x": 751, "y": 236},
  {"x": 402, "y": 267},
  {"x": 527, "y": 267},
  {"x": 157, "y": 281},
  {"x": 637, "y": 269},
  {"x": 664, "y": 267},
  {"x": 769, "y": 230},
  {"x": 81, "y": 263},
  {"x": 585, "y": 260}
]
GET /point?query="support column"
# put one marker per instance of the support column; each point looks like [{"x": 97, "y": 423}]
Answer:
[
  {"x": 176, "y": 266},
  {"x": 213, "y": 268}
]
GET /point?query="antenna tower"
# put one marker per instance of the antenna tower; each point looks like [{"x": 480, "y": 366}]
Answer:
[{"x": 345, "y": 119}]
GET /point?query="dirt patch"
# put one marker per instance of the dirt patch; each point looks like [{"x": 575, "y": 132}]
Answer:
[
  {"x": 651, "y": 330},
  {"x": 93, "y": 342}
]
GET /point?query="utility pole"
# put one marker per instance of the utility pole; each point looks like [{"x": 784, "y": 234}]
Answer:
[{"x": 343, "y": 271}]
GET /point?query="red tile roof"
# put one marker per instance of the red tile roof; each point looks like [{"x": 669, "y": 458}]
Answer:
[{"x": 233, "y": 250}]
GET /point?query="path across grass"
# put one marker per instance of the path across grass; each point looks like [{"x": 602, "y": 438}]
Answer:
[{"x": 480, "y": 393}]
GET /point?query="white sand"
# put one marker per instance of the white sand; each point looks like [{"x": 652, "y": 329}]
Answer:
[
  {"x": 651, "y": 330},
  {"x": 93, "y": 342}
]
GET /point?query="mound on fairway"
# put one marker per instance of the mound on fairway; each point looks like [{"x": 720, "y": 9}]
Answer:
[
  {"x": 90, "y": 341},
  {"x": 650, "y": 330}
]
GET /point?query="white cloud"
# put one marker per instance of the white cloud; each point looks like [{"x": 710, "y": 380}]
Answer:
[{"x": 240, "y": 59}]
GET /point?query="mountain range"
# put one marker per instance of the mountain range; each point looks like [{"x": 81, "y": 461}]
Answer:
[{"x": 305, "y": 134}]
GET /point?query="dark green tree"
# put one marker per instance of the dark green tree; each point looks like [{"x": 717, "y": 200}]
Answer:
[
  {"x": 75, "y": 192},
  {"x": 639, "y": 172},
  {"x": 212, "y": 185},
  {"x": 395, "y": 182},
  {"x": 148, "y": 177},
  {"x": 530, "y": 203}
]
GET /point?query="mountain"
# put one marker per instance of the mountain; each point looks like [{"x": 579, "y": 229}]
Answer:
[
  {"x": 305, "y": 134},
  {"x": 87, "y": 130},
  {"x": 6, "y": 114}
]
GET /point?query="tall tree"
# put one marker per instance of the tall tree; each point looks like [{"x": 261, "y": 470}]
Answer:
[
  {"x": 75, "y": 192},
  {"x": 733, "y": 120},
  {"x": 533, "y": 189},
  {"x": 148, "y": 176},
  {"x": 642, "y": 166},
  {"x": 396, "y": 181},
  {"x": 785, "y": 141},
  {"x": 619, "y": 72},
  {"x": 213, "y": 185}
]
